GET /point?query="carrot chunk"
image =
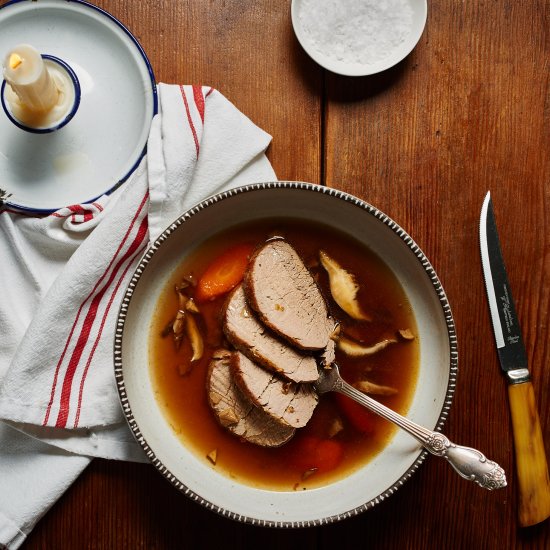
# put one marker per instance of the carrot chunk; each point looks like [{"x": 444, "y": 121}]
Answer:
[
  {"x": 357, "y": 415},
  {"x": 314, "y": 453},
  {"x": 224, "y": 273}
]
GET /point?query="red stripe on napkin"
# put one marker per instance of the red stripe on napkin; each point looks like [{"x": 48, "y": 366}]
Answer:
[
  {"x": 78, "y": 213},
  {"x": 199, "y": 101},
  {"x": 142, "y": 232},
  {"x": 80, "y": 210},
  {"x": 190, "y": 120},
  {"x": 59, "y": 363},
  {"x": 61, "y": 421}
]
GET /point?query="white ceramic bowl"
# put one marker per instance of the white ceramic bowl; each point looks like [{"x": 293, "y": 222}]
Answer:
[
  {"x": 386, "y": 472},
  {"x": 378, "y": 55}
]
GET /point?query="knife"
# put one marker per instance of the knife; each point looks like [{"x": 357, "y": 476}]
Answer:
[{"x": 531, "y": 465}]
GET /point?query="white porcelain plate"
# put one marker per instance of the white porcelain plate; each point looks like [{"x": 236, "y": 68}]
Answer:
[
  {"x": 101, "y": 146},
  {"x": 386, "y": 472}
]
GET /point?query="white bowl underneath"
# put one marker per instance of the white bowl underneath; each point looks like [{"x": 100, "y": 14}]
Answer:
[
  {"x": 384, "y": 474},
  {"x": 419, "y": 10}
]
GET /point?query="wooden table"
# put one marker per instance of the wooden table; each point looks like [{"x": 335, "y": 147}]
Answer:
[{"x": 468, "y": 111}]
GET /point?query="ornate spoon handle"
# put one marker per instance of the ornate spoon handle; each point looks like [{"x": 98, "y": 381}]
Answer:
[{"x": 469, "y": 463}]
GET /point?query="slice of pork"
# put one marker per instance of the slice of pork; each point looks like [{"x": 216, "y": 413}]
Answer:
[
  {"x": 260, "y": 345},
  {"x": 282, "y": 291},
  {"x": 286, "y": 402},
  {"x": 235, "y": 412}
]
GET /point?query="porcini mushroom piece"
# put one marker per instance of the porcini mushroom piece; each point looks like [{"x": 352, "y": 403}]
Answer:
[
  {"x": 191, "y": 306},
  {"x": 343, "y": 287},
  {"x": 178, "y": 327},
  {"x": 179, "y": 322},
  {"x": 195, "y": 337},
  {"x": 406, "y": 334},
  {"x": 370, "y": 387},
  {"x": 181, "y": 286},
  {"x": 213, "y": 456},
  {"x": 336, "y": 426},
  {"x": 354, "y": 349}
]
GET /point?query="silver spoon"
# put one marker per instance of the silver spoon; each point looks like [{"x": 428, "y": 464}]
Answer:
[{"x": 468, "y": 463}]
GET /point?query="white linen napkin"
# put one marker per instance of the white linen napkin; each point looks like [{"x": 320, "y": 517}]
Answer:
[{"x": 62, "y": 278}]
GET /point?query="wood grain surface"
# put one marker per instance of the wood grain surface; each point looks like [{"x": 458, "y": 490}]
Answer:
[{"x": 466, "y": 112}]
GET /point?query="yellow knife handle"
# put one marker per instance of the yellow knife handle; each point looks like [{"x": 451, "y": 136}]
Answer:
[{"x": 532, "y": 469}]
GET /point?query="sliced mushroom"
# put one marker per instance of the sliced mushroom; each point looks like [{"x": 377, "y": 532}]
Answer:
[
  {"x": 213, "y": 456},
  {"x": 191, "y": 306},
  {"x": 343, "y": 287},
  {"x": 178, "y": 325},
  {"x": 336, "y": 426},
  {"x": 406, "y": 334},
  {"x": 188, "y": 280},
  {"x": 354, "y": 349},
  {"x": 184, "y": 323},
  {"x": 370, "y": 387},
  {"x": 195, "y": 337}
]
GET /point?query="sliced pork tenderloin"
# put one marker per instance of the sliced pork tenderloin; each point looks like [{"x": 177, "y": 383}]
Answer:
[
  {"x": 286, "y": 402},
  {"x": 284, "y": 294},
  {"x": 260, "y": 345},
  {"x": 236, "y": 413}
]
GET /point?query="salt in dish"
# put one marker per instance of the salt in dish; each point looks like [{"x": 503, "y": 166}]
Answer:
[{"x": 361, "y": 38}]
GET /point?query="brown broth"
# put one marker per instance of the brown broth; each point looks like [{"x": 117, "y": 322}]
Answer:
[{"x": 184, "y": 400}]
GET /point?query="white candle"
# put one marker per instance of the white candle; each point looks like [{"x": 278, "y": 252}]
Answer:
[{"x": 29, "y": 78}]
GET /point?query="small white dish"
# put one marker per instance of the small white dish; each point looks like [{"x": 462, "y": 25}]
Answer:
[
  {"x": 307, "y": 18},
  {"x": 104, "y": 141}
]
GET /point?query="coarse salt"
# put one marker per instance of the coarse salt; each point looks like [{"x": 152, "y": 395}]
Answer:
[{"x": 356, "y": 31}]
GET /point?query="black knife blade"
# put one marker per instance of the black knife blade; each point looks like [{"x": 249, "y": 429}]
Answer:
[{"x": 511, "y": 350}]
